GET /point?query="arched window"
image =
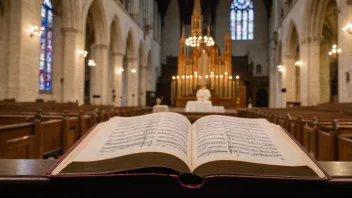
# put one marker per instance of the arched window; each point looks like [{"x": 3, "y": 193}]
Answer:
[
  {"x": 242, "y": 20},
  {"x": 46, "y": 46}
]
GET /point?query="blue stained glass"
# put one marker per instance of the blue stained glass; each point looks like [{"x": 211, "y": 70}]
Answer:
[
  {"x": 242, "y": 20},
  {"x": 46, "y": 52},
  {"x": 47, "y": 3}
]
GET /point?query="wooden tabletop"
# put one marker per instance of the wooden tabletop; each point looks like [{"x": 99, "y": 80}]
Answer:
[
  {"x": 37, "y": 168},
  {"x": 24, "y": 168},
  {"x": 338, "y": 170},
  {"x": 24, "y": 176}
]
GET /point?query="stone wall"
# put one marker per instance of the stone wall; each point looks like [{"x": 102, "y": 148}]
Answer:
[
  {"x": 20, "y": 74},
  {"x": 313, "y": 73}
]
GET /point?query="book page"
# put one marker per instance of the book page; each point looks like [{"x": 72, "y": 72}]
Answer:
[
  {"x": 72, "y": 155},
  {"x": 240, "y": 139},
  {"x": 158, "y": 132},
  {"x": 285, "y": 138}
]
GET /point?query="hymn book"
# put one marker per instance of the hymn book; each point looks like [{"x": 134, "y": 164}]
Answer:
[{"x": 213, "y": 145}]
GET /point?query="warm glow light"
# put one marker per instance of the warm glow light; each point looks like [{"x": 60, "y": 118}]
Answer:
[
  {"x": 280, "y": 68},
  {"x": 133, "y": 70},
  {"x": 335, "y": 50},
  {"x": 195, "y": 73},
  {"x": 191, "y": 76},
  {"x": 216, "y": 76},
  {"x": 200, "y": 77},
  {"x": 211, "y": 73},
  {"x": 230, "y": 77},
  {"x": 225, "y": 73},
  {"x": 183, "y": 76},
  {"x": 35, "y": 31},
  {"x": 348, "y": 28},
  {"x": 173, "y": 78},
  {"x": 198, "y": 41},
  {"x": 221, "y": 76},
  {"x": 187, "y": 76},
  {"x": 206, "y": 76},
  {"x": 177, "y": 77},
  {"x": 298, "y": 63},
  {"x": 237, "y": 77},
  {"x": 91, "y": 63},
  {"x": 82, "y": 53}
]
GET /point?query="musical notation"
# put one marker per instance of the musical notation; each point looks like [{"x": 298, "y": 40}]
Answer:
[
  {"x": 148, "y": 131},
  {"x": 240, "y": 137}
]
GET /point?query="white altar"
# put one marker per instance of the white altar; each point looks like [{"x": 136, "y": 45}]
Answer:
[
  {"x": 160, "y": 108},
  {"x": 197, "y": 106}
]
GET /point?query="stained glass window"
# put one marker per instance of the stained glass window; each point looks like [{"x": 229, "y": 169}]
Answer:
[
  {"x": 242, "y": 20},
  {"x": 46, "y": 46}
]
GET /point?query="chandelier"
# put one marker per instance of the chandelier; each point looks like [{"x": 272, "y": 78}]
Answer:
[
  {"x": 335, "y": 50},
  {"x": 198, "y": 41}
]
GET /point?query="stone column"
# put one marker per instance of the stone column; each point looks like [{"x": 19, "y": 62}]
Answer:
[
  {"x": 290, "y": 77},
  {"x": 132, "y": 87},
  {"x": 314, "y": 71},
  {"x": 281, "y": 97},
  {"x": 304, "y": 73},
  {"x": 23, "y": 56},
  {"x": 72, "y": 67},
  {"x": 143, "y": 83},
  {"x": 273, "y": 87},
  {"x": 117, "y": 61},
  {"x": 99, "y": 75}
]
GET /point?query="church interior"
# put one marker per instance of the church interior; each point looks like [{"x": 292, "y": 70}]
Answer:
[{"x": 69, "y": 66}]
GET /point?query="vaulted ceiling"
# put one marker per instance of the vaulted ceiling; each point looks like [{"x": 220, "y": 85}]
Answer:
[{"x": 208, "y": 9}]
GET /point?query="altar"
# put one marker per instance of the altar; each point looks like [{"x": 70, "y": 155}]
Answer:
[
  {"x": 196, "y": 106},
  {"x": 200, "y": 63}
]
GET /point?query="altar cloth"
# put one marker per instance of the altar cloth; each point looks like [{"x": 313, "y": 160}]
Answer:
[{"x": 197, "y": 106}]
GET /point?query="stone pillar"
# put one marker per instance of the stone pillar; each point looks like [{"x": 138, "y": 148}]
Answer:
[
  {"x": 99, "y": 75},
  {"x": 304, "y": 73},
  {"x": 143, "y": 83},
  {"x": 290, "y": 77},
  {"x": 281, "y": 97},
  {"x": 314, "y": 71},
  {"x": 72, "y": 67},
  {"x": 132, "y": 87},
  {"x": 273, "y": 88},
  {"x": 117, "y": 61},
  {"x": 23, "y": 64}
]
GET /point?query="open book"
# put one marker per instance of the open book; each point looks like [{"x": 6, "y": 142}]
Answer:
[{"x": 213, "y": 145}]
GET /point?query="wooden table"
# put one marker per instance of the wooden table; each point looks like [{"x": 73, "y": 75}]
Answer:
[{"x": 25, "y": 178}]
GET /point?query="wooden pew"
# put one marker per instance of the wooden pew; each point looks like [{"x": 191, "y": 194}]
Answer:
[
  {"x": 60, "y": 125},
  {"x": 328, "y": 140},
  {"x": 20, "y": 141}
]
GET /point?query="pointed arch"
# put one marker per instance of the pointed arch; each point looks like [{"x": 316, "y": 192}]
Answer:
[
  {"x": 141, "y": 53},
  {"x": 130, "y": 48},
  {"x": 115, "y": 36},
  {"x": 278, "y": 53},
  {"x": 149, "y": 59},
  {"x": 314, "y": 18},
  {"x": 96, "y": 10},
  {"x": 292, "y": 39}
]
